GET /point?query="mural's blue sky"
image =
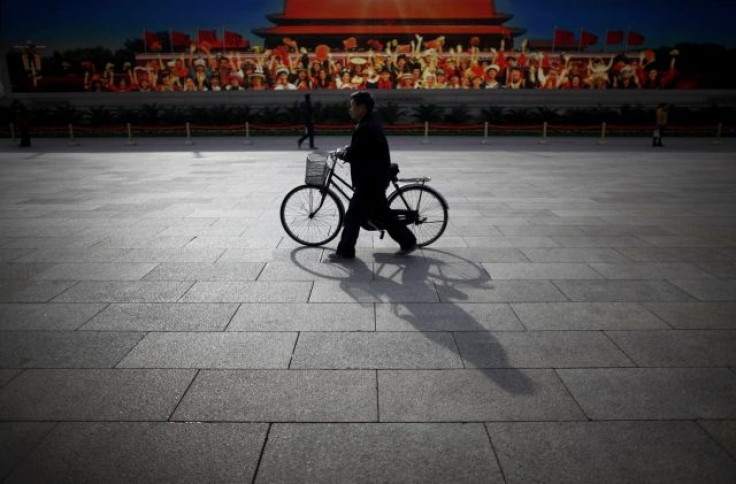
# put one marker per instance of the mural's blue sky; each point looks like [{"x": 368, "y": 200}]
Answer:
[{"x": 84, "y": 23}]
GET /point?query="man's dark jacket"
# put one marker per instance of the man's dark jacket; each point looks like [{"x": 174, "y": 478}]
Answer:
[{"x": 369, "y": 157}]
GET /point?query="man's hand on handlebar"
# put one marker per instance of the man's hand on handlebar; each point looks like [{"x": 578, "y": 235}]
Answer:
[{"x": 342, "y": 153}]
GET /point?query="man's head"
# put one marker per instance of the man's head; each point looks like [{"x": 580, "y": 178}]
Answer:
[{"x": 361, "y": 104}]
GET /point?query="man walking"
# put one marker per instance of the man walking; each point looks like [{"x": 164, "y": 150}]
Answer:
[
  {"x": 661, "y": 125},
  {"x": 308, "y": 117},
  {"x": 370, "y": 165}
]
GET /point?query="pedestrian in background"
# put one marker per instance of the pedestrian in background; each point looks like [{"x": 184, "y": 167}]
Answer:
[
  {"x": 661, "y": 125},
  {"x": 22, "y": 121},
  {"x": 308, "y": 118}
]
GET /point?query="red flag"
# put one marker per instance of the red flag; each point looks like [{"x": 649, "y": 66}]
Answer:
[
  {"x": 151, "y": 38},
  {"x": 179, "y": 38},
  {"x": 233, "y": 39},
  {"x": 634, "y": 38},
  {"x": 209, "y": 36},
  {"x": 350, "y": 43},
  {"x": 564, "y": 38},
  {"x": 586, "y": 38},
  {"x": 614, "y": 37}
]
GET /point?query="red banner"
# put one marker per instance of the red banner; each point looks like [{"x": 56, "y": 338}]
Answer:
[
  {"x": 150, "y": 38},
  {"x": 179, "y": 39},
  {"x": 564, "y": 38},
  {"x": 586, "y": 38},
  {"x": 209, "y": 36},
  {"x": 614, "y": 37},
  {"x": 233, "y": 39},
  {"x": 635, "y": 38}
]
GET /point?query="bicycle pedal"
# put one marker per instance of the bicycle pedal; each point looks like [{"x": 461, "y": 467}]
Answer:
[{"x": 383, "y": 232}]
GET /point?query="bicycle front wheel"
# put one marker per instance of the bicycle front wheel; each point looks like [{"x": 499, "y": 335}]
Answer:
[
  {"x": 430, "y": 218},
  {"x": 312, "y": 216}
]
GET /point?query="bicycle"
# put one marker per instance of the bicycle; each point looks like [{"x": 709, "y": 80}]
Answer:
[{"x": 312, "y": 214}]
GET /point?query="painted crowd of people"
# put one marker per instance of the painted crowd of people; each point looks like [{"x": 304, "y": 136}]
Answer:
[{"x": 403, "y": 67}]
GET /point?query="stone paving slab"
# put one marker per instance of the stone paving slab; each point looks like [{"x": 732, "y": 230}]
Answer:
[
  {"x": 476, "y": 254},
  {"x": 304, "y": 317},
  {"x": 160, "y": 452},
  {"x": 280, "y": 396},
  {"x": 512, "y": 242},
  {"x": 538, "y": 270},
  {"x": 501, "y": 291},
  {"x": 17, "y": 439},
  {"x": 212, "y": 350},
  {"x": 96, "y": 271},
  {"x": 609, "y": 241},
  {"x": 343, "y": 351},
  {"x": 706, "y": 290},
  {"x": 23, "y": 316},
  {"x": 64, "y": 349},
  {"x": 696, "y": 315},
  {"x": 446, "y": 317},
  {"x": 124, "y": 292},
  {"x": 622, "y": 291},
  {"x": 311, "y": 271},
  {"x": 653, "y": 393},
  {"x": 378, "y": 452},
  {"x": 205, "y": 271},
  {"x": 21, "y": 270},
  {"x": 539, "y": 349},
  {"x": 248, "y": 292},
  {"x": 473, "y": 396},
  {"x": 723, "y": 432},
  {"x": 8, "y": 255},
  {"x": 674, "y": 254},
  {"x": 372, "y": 292},
  {"x": 6, "y": 376},
  {"x": 583, "y": 452},
  {"x": 144, "y": 242},
  {"x": 171, "y": 255},
  {"x": 91, "y": 254},
  {"x": 574, "y": 254},
  {"x": 650, "y": 270},
  {"x": 683, "y": 349},
  {"x": 721, "y": 270},
  {"x": 162, "y": 317},
  {"x": 32, "y": 291},
  {"x": 302, "y": 254},
  {"x": 586, "y": 316},
  {"x": 93, "y": 395},
  {"x": 430, "y": 270}
]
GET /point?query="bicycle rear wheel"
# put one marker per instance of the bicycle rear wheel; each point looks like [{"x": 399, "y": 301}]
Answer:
[
  {"x": 312, "y": 216},
  {"x": 430, "y": 219}
]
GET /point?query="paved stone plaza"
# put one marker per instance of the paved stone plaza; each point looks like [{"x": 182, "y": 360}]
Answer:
[{"x": 576, "y": 322}]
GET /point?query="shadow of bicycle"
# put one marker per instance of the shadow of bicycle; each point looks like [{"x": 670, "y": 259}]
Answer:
[{"x": 417, "y": 294}]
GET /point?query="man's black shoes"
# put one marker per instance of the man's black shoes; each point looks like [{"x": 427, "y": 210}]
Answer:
[
  {"x": 407, "y": 250},
  {"x": 339, "y": 257}
]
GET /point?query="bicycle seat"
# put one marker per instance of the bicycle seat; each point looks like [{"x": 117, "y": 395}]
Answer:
[{"x": 393, "y": 171}]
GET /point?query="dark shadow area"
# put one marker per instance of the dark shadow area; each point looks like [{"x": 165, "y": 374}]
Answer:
[{"x": 419, "y": 269}]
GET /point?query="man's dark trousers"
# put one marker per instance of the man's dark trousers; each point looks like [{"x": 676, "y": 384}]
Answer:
[
  {"x": 309, "y": 127},
  {"x": 371, "y": 205}
]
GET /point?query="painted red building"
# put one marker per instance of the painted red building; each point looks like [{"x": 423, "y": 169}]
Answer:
[{"x": 313, "y": 22}]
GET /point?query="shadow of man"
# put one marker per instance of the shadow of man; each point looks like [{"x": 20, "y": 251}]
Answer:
[{"x": 409, "y": 286}]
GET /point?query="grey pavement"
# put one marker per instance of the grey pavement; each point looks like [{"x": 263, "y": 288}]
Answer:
[{"x": 575, "y": 323}]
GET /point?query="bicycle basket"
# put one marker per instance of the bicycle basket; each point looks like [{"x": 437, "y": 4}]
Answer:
[{"x": 317, "y": 169}]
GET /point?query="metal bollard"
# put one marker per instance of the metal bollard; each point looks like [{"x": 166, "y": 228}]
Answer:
[
  {"x": 484, "y": 141},
  {"x": 426, "y": 133},
  {"x": 543, "y": 141},
  {"x": 602, "y": 139},
  {"x": 72, "y": 141},
  {"x": 188, "y": 141},
  {"x": 247, "y": 141},
  {"x": 130, "y": 136}
]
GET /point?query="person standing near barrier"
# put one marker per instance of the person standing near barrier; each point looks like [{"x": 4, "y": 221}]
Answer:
[
  {"x": 21, "y": 120},
  {"x": 661, "y": 125},
  {"x": 370, "y": 166},
  {"x": 308, "y": 118}
]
